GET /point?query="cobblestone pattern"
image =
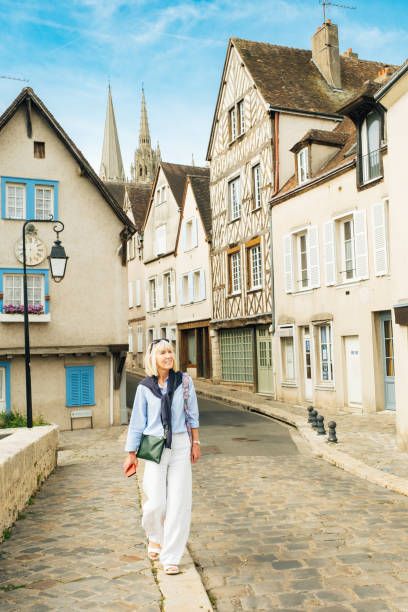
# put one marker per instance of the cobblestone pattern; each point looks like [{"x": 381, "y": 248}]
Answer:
[
  {"x": 369, "y": 438},
  {"x": 294, "y": 533},
  {"x": 81, "y": 545}
]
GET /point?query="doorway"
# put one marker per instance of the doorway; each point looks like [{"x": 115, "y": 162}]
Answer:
[
  {"x": 307, "y": 364},
  {"x": 387, "y": 350},
  {"x": 264, "y": 360},
  {"x": 353, "y": 370}
]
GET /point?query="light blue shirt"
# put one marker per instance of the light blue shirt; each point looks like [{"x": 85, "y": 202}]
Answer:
[{"x": 146, "y": 414}]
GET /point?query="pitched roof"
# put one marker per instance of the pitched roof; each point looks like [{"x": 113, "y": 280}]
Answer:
[
  {"x": 289, "y": 79},
  {"x": 324, "y": 137},
  {"x": 176, "y": 175},
  {"x": 28, "y": 97},
  {"x": 201, "y": 189},
  {"x": 138, "y": 195}
]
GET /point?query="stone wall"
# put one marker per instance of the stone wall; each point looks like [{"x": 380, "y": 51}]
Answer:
[{"x": 27, "y": 457}]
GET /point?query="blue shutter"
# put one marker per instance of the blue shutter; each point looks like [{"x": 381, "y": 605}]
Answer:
[{"x": 80, "y": 385}]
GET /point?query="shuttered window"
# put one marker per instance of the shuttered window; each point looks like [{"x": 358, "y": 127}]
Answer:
[
  {"x": 301, "y": 259},
  {"x": 80, "y": 387}
]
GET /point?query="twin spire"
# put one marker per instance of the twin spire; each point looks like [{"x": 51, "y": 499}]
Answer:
[{"x": 145, "y": 160}]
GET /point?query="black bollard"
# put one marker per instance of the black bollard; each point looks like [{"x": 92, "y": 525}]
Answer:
[
  {"x": 332, "y": 432},
  {"x": 320, "y": 425},
  {"x": 314, "y": 419},
  {"x": 310, "y": 410}
]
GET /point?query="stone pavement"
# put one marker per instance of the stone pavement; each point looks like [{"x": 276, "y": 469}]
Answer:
[
  {"x": 295, "y": 533},
  {"x": 80, "y": 544}
]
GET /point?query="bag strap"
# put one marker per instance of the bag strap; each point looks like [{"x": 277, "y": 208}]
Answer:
[{"x": 186, "y": 396}]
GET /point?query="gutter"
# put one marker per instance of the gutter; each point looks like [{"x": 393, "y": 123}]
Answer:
[{"x": 294, "y": 111}]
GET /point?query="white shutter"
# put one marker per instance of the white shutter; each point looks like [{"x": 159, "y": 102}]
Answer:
[
  {"x": 160, "y": 289},
  {"x": 154, "y": 333},
  {"x": 172, "y": 288},
  {"x": 202, "y": 284},
  {"x": 138, "y": 292},
  {"x": 181, "y": 290},
  {"x": 147, "y": 297},
  {"x": 184, "y": 232},
  {"x": 329, "y": 251},
  {"x": 194, "y": 237},
  {"x": 191, "y": 286},
  {"x": 130, "y": 339},
  {"x": 378, "y": 215},
  {"x": 130, "y": 290},
  {"x": 313, "y": 257},
  {"x": 360, "y": 243},
  {"x": 288, "y": 262},
  {"x": 139, "y": 339}
]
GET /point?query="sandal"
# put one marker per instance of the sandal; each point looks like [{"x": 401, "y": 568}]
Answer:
[
  {"x": 171, "y": 570},
  {"x": 153, "y": 552}
]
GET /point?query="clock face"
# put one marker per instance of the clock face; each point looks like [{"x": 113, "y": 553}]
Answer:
[{"x": 35, "y": 250}]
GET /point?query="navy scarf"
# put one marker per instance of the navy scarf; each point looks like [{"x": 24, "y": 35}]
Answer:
[{"x": 173, "y": 381}]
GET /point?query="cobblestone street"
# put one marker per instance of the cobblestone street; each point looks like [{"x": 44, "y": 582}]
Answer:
[
  {"x": 294, "y": 533},
  {"x": 81, "y": 545}
]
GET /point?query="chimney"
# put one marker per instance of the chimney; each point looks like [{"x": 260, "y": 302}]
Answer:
[
  {"x": 325, "y": 53},
  {"x": 350, "y": 53},
  {"x": 383, "y": 75}
]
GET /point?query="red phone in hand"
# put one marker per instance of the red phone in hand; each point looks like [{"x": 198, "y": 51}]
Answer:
[{"x": 131, "y": 470}]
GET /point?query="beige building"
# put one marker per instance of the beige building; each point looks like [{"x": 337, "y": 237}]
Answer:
[
  {"x": 269, "y": 97},
  {"x": 79, "y": 337},
  {"x": 194, "y": 282},
  {"x": 160, "y": 232},
  {"x": 336, "y": 275},
  {"x": 393, "y": 96}
]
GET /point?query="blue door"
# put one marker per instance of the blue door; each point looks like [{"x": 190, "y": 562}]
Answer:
[{"x": 388, "y": 360}]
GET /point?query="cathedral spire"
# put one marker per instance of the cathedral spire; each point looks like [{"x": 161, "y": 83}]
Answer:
[
  {"x": 111, "y": 163},
  {"x": 144, "y": 134}
]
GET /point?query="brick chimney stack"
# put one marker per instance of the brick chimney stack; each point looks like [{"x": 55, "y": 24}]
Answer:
[
  {"x": 325, "y": 53},
  {"x": 350, "y": 53}
]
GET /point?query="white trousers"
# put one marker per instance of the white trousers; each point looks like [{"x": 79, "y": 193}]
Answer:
[{"x": 167, "y": 510}]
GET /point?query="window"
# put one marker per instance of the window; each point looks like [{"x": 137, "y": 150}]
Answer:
[
  {"x": 256, "y": 180},
  {"x": 241, "y": 116},
  {"x": 28, "y": 198},
  {"x": 15, "y": 201},
  {"x": 197, "y": 285},
  {"x": 301, "y": 259},
  {"x": 138, "y": 296},
  {"x": 160, "y": 239},
  {"x": 234, "y": 272},
  {"x": 191, "y": 347},
  {"x": 348, "y": 249},
  {"x": 153, "y": 293},
  {"x": 236, "y": 347},
  {"x": 234, "y": 199},
  {"x": 303, "y": 165},
  {"x": 168, "y": 289},
  {"x": 288, "y": 359},
  {"x": 370, "y": 167},
  {"x": 80, "y": 389},
  {"x": 163, "y": 194},
  {"x": 5, "y": 405},
  {"x": 130, "y": 291},
  {"x": 190, "y": 240},
  {"x": 233, "y": 123},
  {"x": 131, "y": 248},
  {"x": 139, "y": 339},
  {"x": 172, "y": 335},
  {"x": 39, "y": 150},
  {"x": 254, "y": 264},
  {"x": 324, "y": 333},
  {"x": 130, "y": 339},
  {"x": 150, "y": 336},
  {"x": 44, "y": 202},
  {"x": 13, "y": 290}
]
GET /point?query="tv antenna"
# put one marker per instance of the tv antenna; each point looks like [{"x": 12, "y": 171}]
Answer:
[
  {"x": 5, "y": 76},
  {"x": 324, "y": 3}
]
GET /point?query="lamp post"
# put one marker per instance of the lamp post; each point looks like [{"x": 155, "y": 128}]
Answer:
[{"x": 58, "y": 263}]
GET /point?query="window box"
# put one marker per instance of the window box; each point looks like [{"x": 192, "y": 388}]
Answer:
[{"x": 19, "y": 318}]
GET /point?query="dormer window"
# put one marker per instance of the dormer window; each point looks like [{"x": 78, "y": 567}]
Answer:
[
  {"x": 303, "y": 165},
  {"x": 370, "y": 167}
]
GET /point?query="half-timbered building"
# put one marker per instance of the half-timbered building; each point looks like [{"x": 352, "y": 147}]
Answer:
[{"x": 269, "y": 97}]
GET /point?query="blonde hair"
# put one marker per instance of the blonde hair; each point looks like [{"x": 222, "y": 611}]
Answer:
[{"x": 150, "y": 357}]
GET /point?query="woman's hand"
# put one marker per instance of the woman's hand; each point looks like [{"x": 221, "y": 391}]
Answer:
[
  {"x": 195, "y": 453},
  {"x": 130, "y": 459}
]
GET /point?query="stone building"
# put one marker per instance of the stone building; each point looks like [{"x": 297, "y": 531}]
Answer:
[
  {"x": 269, "y": 97},
  {"x": 146, "y": 159},
  {"x": 78, "y": 328}
]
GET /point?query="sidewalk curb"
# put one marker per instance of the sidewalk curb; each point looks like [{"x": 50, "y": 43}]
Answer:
[
  {"x": 185, "y": 591},
  {"x": 320, "y": 448}
]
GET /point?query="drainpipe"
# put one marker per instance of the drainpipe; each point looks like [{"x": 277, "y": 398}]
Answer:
[
  {"x": 111, "y": 389},
  {"x": 275, "y": 120}
]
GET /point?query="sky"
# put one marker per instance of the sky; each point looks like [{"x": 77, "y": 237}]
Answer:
[{"x": 69, "y": 50}]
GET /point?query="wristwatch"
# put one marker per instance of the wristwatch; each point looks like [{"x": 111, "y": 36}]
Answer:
[{"x": 196, "y": 442}]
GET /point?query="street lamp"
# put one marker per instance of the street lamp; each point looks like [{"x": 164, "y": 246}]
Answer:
[{"x": 58, "y": 263}]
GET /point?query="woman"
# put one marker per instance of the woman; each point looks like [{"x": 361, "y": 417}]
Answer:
[{"x": 159, "y": 403}]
